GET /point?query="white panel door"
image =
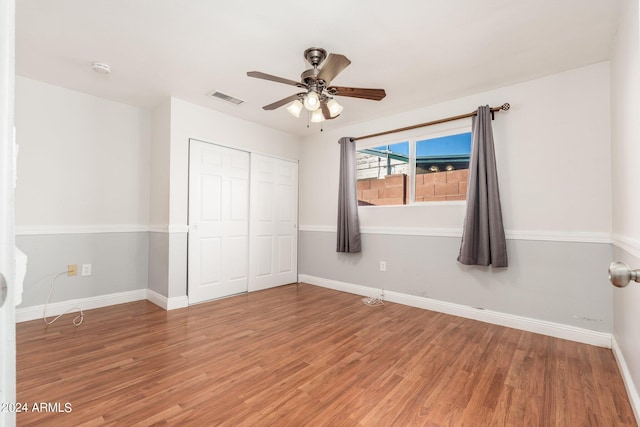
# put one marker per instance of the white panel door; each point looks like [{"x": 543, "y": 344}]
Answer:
[
  {"x": 7, "y": 209},
  {"x": 273, "y": 259},
  {"x": 218, "y": 221}
]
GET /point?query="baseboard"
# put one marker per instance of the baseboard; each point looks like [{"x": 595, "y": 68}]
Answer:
[
  {"x": 557, "y": 330},
  {"x": 167, "y": 303},
  {"x": 56, "y": 308},
  {"x": 632, "y": 391}
]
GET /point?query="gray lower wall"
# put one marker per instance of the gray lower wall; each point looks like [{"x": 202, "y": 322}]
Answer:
[
  {"x": 563, "y": 282},
  {"x": 177, "y": 280},
  {"x": 168, "y": 263},
  {"x": 159, "y": 263},
  {"x": 119, "y": 264}
]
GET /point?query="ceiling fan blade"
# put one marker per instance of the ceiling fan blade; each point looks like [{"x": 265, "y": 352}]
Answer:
[
  {"x": 325, "y": 110},
  {"x": 334, "y": 64},
  {"x": 282, "y": 102},
  {"x": 354, "y": 92},
  {"x": 264, "y": 76}
]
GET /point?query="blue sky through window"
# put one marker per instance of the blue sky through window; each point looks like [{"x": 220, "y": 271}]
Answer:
[{"x": 459, "y": 144}]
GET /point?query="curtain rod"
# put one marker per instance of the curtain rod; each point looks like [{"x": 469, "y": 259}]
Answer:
[{"x": 503, "y": 107}]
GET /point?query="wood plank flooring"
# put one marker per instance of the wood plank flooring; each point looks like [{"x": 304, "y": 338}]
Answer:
[{"x": 301, "y": 355}]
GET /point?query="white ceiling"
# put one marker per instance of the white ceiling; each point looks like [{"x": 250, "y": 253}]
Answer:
[{"x": 420, "y": 51}]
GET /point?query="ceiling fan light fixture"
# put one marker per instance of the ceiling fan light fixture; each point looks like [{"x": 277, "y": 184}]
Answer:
[
  {"x": 334, "y": 108},
  {"x": 317, "y": 94},
  {"x": 312, "y": 101},
  {"x": 317, "y": 116},
  {"x": 295, "y": 108}
]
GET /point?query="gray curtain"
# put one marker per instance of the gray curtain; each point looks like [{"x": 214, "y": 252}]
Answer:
[
  {"x": 348, "y": 222},
  {"x": 483, "y": 241}
]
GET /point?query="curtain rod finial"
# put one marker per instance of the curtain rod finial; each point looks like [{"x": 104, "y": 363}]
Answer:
[{"x": 505, "y": 106}]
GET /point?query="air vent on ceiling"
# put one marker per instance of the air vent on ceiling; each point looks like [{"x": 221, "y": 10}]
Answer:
[{"x": 225, "y": 97}]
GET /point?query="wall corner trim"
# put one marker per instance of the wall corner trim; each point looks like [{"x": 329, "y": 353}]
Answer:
[
  {"x": 632, "y": 391},
  {"x": 552, "y": 329},
  {"x": 167, "y": 303},
  {"x": 171, "y": 228},
  {"x": 628, "y": 244}
]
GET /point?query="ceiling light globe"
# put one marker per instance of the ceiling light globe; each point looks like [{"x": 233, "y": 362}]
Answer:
[
  {"x": 317, "y": 116},
  {"x": 295, "y": 108},
  {"x": 311, "y": 101},
  {"x": 334, "y": 108}
]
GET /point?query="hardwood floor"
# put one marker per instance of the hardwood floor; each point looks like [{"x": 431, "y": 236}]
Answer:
[{"x": 301, "y": 355}]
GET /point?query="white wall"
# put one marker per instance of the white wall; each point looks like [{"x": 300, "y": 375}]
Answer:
[
  {"x": 159, "y": 165},
  {"x": 553, "y": 153},
  {"x": 625, "y": 95},
  {"x": 168, "y": 249},
  {"x": 83, "y": 192},
  {"x": 192, "y": 121},
  {"x": 625, "y": 83},
  {"x": 552, "y": 149},
  {"x": 83, "y": 160}
]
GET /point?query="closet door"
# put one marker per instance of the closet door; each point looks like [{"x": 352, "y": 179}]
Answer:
[
  {"x": 273, "y": 258},
  {"x": 218, "y": 248}
]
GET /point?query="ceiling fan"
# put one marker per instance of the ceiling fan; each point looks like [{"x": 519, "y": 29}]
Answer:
[{"x": 318, "y": 94}]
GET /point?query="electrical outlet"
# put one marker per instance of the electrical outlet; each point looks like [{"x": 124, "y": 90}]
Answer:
[
  {"x": 72, "y": 270},
  {"x": 86, "y": 269},
  {"x": 383, "y": 266}
]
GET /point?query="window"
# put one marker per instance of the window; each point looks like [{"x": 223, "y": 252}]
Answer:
[
  {"x": 442, "y": 168},
  {"x": 382, "y": 174},
  {"x": 414, "y": 171}
]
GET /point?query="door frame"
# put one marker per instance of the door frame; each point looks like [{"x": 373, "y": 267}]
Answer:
[
  {"x": 7, "y": 208},
  {"x": 251, "y": 152}
]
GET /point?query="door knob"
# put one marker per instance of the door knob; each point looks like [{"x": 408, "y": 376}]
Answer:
[
  {"x": 3, "y": 290},
  {"x": 620, "y": 274}
]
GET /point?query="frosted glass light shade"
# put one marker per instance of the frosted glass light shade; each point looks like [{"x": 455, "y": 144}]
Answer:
[
  {"x": 334, "y": 107},
  {"x": 317, "y": 117},
  {"x": 311, "y": 101},
  {"x": 295, "y": 108}
]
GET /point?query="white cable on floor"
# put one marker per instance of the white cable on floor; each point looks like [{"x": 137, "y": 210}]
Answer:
[
  {"x": 76, "y": 322},
  {"x": 373, "y": 301}
]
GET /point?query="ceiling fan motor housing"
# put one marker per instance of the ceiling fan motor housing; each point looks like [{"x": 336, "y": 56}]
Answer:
[
  {"x": 310, "y": 76},
  {"x": 315, "y": 56}
]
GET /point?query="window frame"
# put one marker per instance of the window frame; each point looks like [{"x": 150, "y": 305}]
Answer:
[{"x": 412, "y": 140}]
